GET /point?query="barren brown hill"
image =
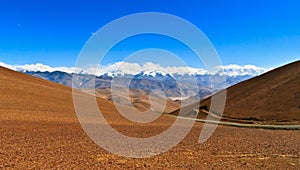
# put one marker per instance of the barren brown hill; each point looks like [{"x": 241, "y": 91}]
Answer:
[
  {"x": 139, "y": 99},
  {"x": 22, "y": 92},
  {"x": 39, "y": 130},
  {"x": 273, "y": 97}
]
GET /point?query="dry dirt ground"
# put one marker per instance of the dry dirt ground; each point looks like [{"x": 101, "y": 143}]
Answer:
[{"x": 39, "y": 130}]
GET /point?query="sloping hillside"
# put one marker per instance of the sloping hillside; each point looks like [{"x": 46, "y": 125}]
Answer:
[
  {"x": 21, "y": 92},
  {"x": 273, "y": 97}
]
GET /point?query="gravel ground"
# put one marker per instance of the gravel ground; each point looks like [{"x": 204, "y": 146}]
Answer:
[{"x": 40, "y": 142}]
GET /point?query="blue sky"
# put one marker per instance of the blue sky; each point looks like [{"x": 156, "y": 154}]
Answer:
[{"x": 263, "y": 33}]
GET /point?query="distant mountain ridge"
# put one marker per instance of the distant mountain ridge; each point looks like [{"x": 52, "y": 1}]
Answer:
[
  {"x": 150, "y": 69},
  {"x": 166, "y": 83},
  {"x": 151, "y": 77}
]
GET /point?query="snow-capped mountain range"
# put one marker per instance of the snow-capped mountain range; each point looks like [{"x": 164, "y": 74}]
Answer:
[
  {"x": 150, "y": 69},
  {"x": 173, "y": 81}
]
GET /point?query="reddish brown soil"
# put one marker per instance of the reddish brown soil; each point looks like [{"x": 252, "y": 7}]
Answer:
[
  {"x": 39, "y": 130},
  {"x": 272, "y": 98}
]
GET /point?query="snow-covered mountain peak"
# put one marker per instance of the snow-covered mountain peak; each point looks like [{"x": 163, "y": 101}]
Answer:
[{"x": 148, "y": 69}]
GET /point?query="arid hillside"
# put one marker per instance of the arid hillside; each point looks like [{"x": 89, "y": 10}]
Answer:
[
  {"x": 273, "y": 98},
  {"x": 21, "y": 92}
]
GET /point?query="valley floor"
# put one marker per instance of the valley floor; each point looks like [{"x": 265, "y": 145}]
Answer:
[{"x": 35, "y": 139}]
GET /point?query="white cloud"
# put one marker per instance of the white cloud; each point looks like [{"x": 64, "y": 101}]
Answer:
[{"x": 135, "y": 68}]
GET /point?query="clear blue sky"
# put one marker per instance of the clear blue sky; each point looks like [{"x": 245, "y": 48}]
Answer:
[{"x": 261, "y": 32}]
